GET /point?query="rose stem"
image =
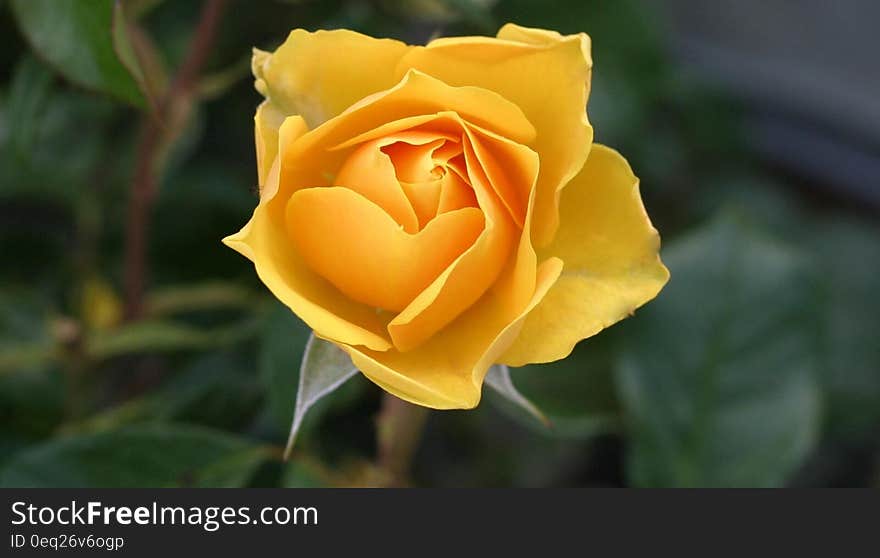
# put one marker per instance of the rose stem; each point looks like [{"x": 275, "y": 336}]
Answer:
[
  {"x": 143, "y": 186},
  {"x": 399, "y": 428}
]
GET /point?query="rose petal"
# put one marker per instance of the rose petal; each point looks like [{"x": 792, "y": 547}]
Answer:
[
  {"x": 477, "y": 269},
  {"x": 455, "y": 193},
  {"x": 510, "y": 169},
  {"x": 421, "y": 97},
  {"x": 267, "y": 121},
  {"x": 314, "y": 159},
  {"x": 441, "y": 122},
  {"x": 369, "y": 171},
  {"x": 313, "y": 298},
  {"x": 359, "y": 248},
  {"x": 529, "y": 35},
  {"x": 318, "y": 75},
  {"x": 413, "y": 162},
  {"x": 545, "y": 75},
  {"x": 263, "y": 240},
  {"x": 424, "y": 197},
  {"x": 468, "y": 277},
  {"x": 291, "y": 129},
  {"x": 612, "y": 266},
  {"x": 447, "y": 371}
]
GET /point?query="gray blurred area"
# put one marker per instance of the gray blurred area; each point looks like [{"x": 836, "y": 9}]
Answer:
[{"x": 807, "y": 73}]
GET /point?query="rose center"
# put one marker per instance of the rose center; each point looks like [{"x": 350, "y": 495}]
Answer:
[{"x": 424, "y": 172}]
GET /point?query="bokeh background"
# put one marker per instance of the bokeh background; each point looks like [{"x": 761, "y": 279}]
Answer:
[{"x": 755, "y": 130}]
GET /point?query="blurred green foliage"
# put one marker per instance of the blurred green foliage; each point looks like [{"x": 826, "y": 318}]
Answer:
[
  {"x": 758, "y": 365},
  {"x": 85, "y": 42}
]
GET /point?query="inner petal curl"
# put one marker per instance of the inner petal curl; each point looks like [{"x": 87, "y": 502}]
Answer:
[{"x": 356, "y": 245}]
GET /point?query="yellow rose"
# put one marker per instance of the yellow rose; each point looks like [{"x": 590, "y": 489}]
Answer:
[{"x": 434, "y": 210}]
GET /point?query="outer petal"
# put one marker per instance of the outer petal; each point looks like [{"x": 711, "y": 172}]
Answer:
[
  {"x": 271, "y": 130},
  {"x": 547, "y": 76},
  {"x": 267, "y": 122},
  {"x": 313, "y": 299},
  {"x": 318, "y": 75},
  {"x": 447, "y": 371},
  {"x": 529, "y": 35},
  {"x": 263, "y": 240},
  {"x": 612, "y": 265}
]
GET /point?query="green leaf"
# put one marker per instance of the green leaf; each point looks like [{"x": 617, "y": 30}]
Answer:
[
  {"x": 76, "y": 37},
  {"x": 210, "y": 295},
  {"x": 28, "y": 94},
  {"x": 165, "y": 336},
  {"x": 718, "y": 375},
  {"x": 154, "y": 456},
  {"x": 214, "y": 85},
  {"x": 325, "y": 367},
  {"x": 25, "y": 356},
  {"x": 217, "y": 390},
  {"x": 46, "y": 152},
  {"x": 140, "y": 8},
  {"x": 31, "y": 408},
  {"x": 125, "y": 52},
  {"x": 301, "y": 473},
  {"x": 26, "y": 342},
  {"x": 235, "y": 470},
  {"x": 32, "y": 389},
  {"x": 575, "y": 393},
  {"x": 849, "y": 253},
  {"x": 282, "y": 344},
  {"x": 498, "y": 379}
]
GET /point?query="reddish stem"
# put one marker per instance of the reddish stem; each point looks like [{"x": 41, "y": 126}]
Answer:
[{"x": 155, "y": 132}]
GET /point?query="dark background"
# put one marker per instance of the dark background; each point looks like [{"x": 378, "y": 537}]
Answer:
[{"x": 755, "y": 130}]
